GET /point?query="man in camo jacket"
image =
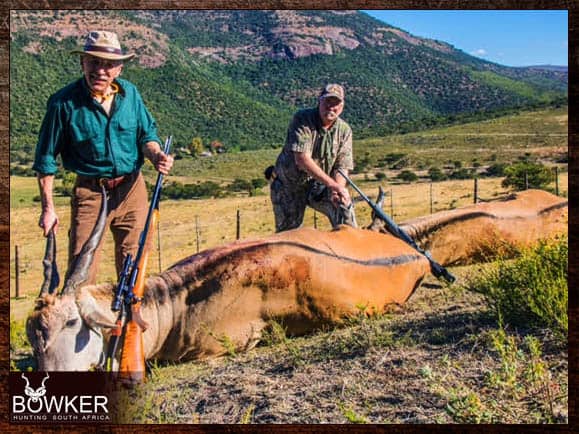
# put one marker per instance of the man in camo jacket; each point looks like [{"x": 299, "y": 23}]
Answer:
[{"x": 318, "y": 143}]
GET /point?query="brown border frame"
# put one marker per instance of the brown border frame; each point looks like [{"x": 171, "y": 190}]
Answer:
[{"x": 570, "y": 5}]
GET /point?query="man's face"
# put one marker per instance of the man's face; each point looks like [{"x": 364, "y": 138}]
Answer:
[
  {"x": 100, "y": 73},
  {"x": 330, "y": 109}
]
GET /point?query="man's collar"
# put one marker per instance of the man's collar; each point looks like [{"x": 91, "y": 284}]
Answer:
[{"x": 88, "y": 92}]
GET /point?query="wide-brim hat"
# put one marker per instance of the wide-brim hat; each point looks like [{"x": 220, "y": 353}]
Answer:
[
  {"x": 333, "y": 91},
  {"x": 103, "y": 44}
]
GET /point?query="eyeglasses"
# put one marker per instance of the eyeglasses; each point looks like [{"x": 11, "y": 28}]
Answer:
[
  {"x": 97, "y": 63},
  {"x": 330, "y": 101}
]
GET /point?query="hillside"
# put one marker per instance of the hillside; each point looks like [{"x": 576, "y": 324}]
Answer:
[{"x": 237, "y": 76}]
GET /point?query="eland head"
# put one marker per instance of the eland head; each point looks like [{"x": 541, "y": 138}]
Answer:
[{"x": 64, "y": 329}]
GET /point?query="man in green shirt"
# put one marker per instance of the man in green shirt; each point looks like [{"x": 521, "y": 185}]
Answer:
[
  {"x": 100, "y": 127},
  {"x": 318, "y": 143}
]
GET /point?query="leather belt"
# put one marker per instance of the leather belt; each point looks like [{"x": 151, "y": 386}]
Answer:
[{"x": 109, "y": 183}]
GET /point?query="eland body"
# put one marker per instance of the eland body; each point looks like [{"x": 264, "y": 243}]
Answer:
[{"x": 305, "y": 279}]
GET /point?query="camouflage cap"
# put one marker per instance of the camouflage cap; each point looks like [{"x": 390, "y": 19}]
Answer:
[{"x": 333, "y": 90}]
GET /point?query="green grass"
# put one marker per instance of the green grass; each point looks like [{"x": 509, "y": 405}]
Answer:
[
  {"x": 530, "y": 290},
  {"x": 497, "y": 140}
]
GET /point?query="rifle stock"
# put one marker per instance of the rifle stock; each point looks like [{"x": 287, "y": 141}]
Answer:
[
  {"x": 132, "y": 361},
  {"x": 132, "y": 364}
]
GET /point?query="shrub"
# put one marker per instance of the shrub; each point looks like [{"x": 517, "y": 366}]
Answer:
[
  {"x": 537, "y": 176},
  {"x": 407, "y": 176},
  {"x": 530, "y": 290},
  {"x": 380, "y": 176},
  {"x": 436, "y": 174},
  {"x": 205, "y": 189},
  {"x": 461, "y": 174},
  {"x": 496, "y": 169},
  {"x": 239, "y": 185},
  {"x": 258, "y": 183}
]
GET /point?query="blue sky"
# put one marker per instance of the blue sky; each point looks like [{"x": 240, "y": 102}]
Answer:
[{"x": 512, "y": 38}]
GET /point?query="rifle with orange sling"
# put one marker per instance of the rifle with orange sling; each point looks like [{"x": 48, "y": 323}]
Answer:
[{"x": 128, "y": 297}]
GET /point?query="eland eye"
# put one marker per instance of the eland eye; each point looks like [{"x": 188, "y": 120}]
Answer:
[{"x": 71, "y": 322}]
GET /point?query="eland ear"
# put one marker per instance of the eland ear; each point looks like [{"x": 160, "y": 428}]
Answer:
[
  {"x": 92, "y": 313},
  {"x": 98, "y": 319}
]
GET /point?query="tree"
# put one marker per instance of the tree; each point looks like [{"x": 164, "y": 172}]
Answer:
[
  {"x": 196, "y": 146},
  {"x": 531, "y": 175},
  {"x": 436, "y": 174}
]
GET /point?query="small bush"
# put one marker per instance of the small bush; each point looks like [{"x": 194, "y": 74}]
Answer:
[
  {"x": 537, "y": 176},
  {"x": 496, "y": 169},
  {"x": 380, "y": 176},
  {"x": 436, "y": 174},
  {"x": 462, "y": 173},
  {"x": 530, "y": 290},
  {"x": 407, "y": 176}
]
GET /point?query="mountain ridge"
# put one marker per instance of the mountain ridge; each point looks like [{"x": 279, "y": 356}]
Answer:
[{"x": 237, "y": 76}]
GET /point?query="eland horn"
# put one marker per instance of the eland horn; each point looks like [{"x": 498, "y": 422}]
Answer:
[
  {"x": 51, "y": 277},
  {"x": 380, "y": 199},
  {"x": 79, "y": 270}
]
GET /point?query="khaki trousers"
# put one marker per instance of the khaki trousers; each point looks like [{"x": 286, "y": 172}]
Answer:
[{"x": 128, "y": 207}]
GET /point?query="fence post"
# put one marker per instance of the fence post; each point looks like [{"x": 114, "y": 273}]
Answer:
[
  {"x": 475, "y": 190},
  {"x": 556, "y": 181},
  {"x": 430, "y": 197},
  {"x": 526, "y": 181},
  {"x": 17, "y": 274},
  {"x": 315, "y": 220},
  {"x": 238, "y": 233},
  {"x": 197, "y": 232}
]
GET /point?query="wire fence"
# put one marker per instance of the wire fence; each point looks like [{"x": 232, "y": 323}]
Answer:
[{"x": 201, "y": 226}]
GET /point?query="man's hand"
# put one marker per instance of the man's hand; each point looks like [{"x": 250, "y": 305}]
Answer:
[
  {"x": 162, "y": 162},
  {"x": 339, "y": 195},
  {"x": 48, "y": 220}
]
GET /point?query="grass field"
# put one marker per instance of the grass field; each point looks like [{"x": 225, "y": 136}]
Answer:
[
  {"x": 542, "y": 134},
  {"x": 187, "y": 225},
  {"x": 439, "y": 358}
]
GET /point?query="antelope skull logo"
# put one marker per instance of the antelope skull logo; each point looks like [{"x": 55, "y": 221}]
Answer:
[{"x": 33, "y": 394}]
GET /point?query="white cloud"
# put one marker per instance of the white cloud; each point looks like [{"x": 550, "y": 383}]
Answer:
[{"x": 481, "y": 52}]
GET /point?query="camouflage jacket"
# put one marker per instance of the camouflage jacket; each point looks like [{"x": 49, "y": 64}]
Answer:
[{"x": 331, "y": 149}]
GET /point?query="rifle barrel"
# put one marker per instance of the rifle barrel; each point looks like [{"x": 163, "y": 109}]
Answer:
[{"x": 436, "y": 269}]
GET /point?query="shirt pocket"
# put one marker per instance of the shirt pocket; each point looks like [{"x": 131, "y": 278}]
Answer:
[
  {"x": 87, "y": 139},
  {"x": 127, "y": 132},
  {"x": 126, "y": 140}
]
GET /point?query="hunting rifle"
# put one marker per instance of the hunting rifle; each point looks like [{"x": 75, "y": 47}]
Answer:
[
  {"x": 128, "y": 297},
  {"x": 437, "y": 270}
]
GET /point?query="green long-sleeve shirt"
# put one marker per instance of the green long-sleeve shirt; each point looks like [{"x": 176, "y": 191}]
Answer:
[{"x": 90, "y": 142}]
